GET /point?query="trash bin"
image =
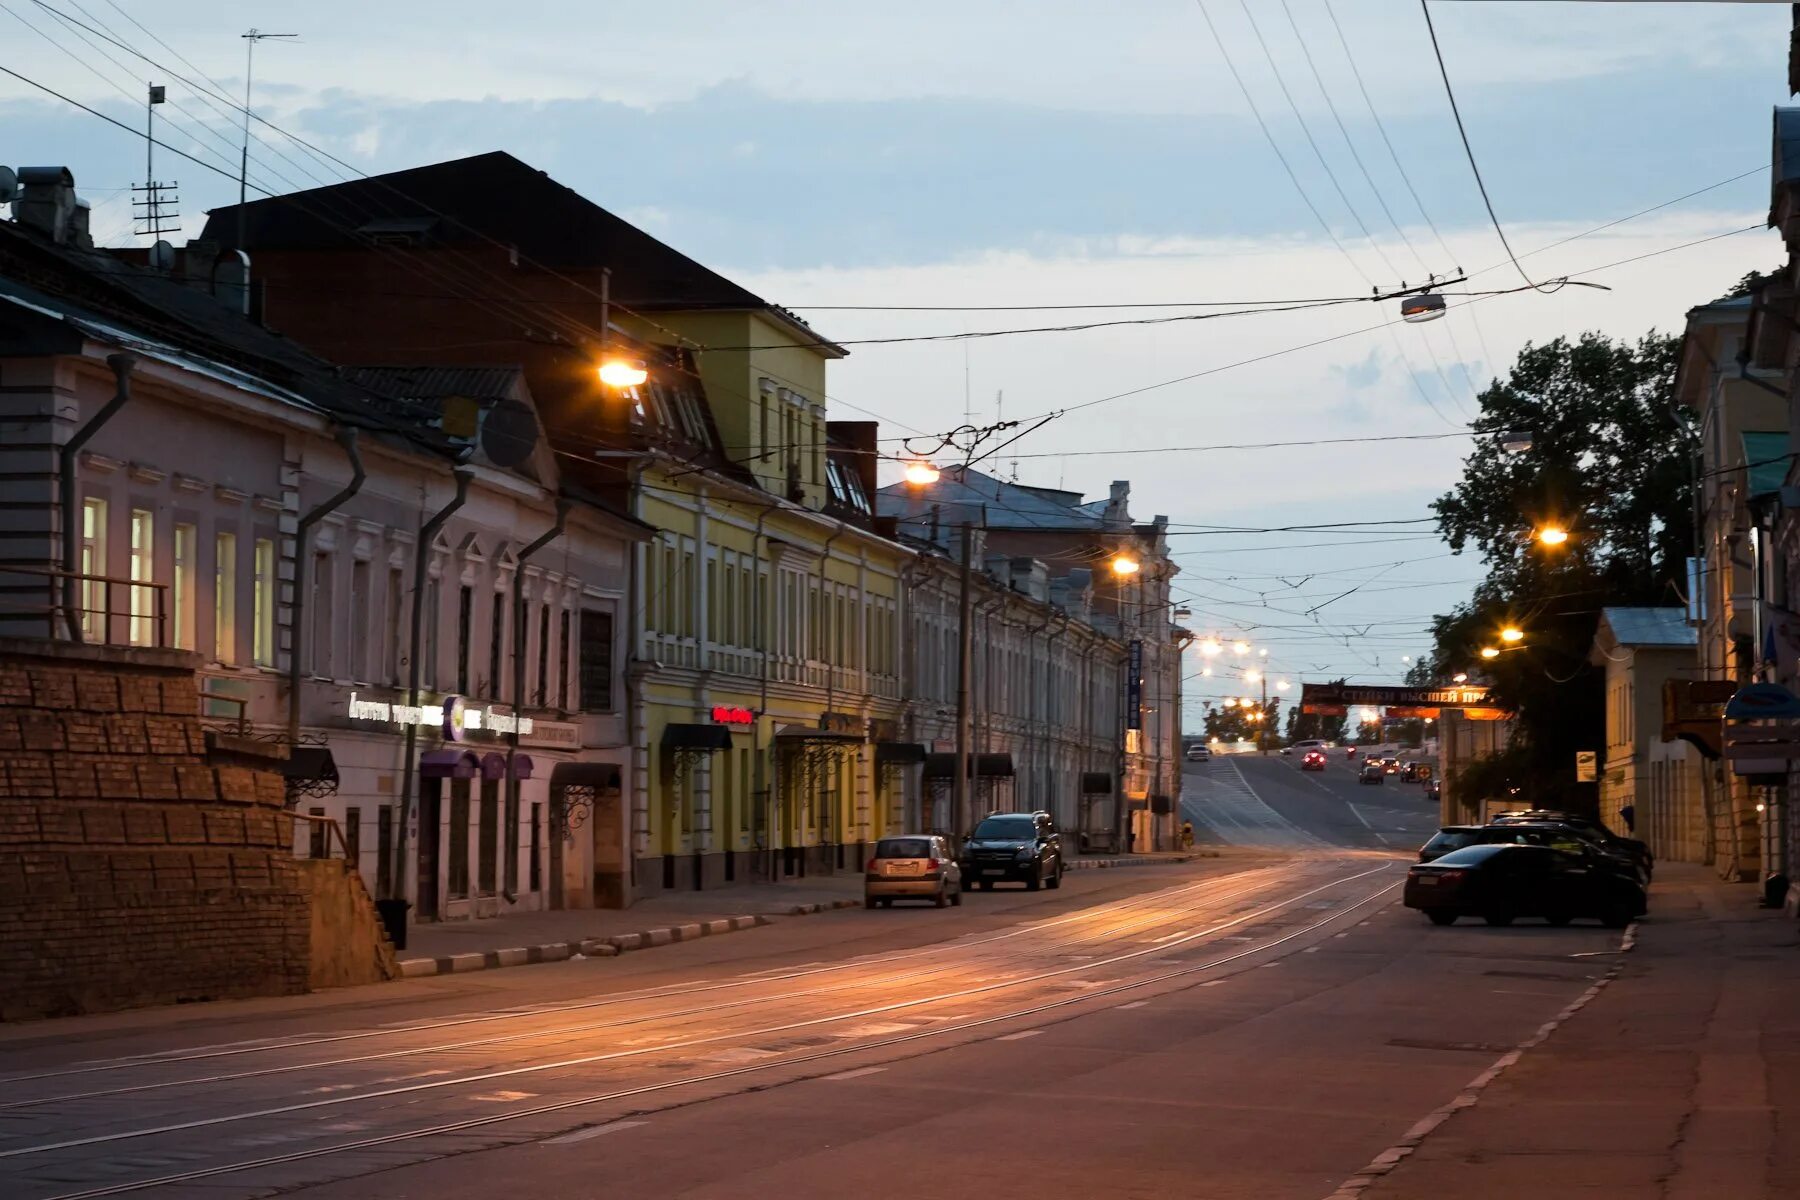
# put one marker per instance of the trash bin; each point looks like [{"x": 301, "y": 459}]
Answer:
[{"x": 393, "y": 919}]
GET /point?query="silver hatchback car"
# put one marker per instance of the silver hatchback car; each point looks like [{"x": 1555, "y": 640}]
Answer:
[{"x": 915, "y": 866}]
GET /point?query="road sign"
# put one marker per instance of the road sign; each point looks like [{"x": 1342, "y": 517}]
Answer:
[{"x": 1587, "y": 766}]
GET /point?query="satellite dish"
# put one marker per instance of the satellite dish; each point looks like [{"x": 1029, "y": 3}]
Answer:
[
  {"x": 162, "y": 256},
  {"x": 9, "y": 184},
  {"x": 510, "y": 433}
]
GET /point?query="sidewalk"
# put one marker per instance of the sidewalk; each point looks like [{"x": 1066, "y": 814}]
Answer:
[
  {"x": 518, "y": 939},
  {"x": 1680, "y": 1080}
]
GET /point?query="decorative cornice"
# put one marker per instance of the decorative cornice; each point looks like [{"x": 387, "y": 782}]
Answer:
[
  {"x": 144, "y": 473},
  {"x": 189, "y": 484},
  {"x": 100, "y": 464},
  {"x": 229, "y": 495}
]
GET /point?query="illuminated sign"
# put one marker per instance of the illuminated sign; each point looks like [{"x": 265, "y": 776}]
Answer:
[
  {"x": 726, "y": 714},
  {"x": 453, "y": 717}
]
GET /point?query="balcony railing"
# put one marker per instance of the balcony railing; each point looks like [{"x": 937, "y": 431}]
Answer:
[{"x": 102, "y": 604}]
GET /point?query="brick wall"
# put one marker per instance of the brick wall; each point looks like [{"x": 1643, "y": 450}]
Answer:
[{"x": 135, "y": 868}]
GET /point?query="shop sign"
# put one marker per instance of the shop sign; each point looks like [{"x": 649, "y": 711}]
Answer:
[
  {"x": 453, "y": 716},
  {"x": 836, "y": 722},
  {"x": 564, "y": 735},
  {"x": 882, "y": 729},
  {"x": 729, "y": 714},
  {"x": 1134, "y": 686}
]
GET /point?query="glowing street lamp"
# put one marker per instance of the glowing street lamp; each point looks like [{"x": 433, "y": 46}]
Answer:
[
  {"x": 623, "y": 372},
  {"x": 1124, "y": 565},
  {"x": 1512, "y": 634},
  {"x": 1459, "y": 677},
  {"x": 1490, "y": 652},
  {"x": 1211, "y": 648},
  {"x": 1552, "y": 535},
  {"x": 1251, "y": 675},
  {"x": 1282, "y": 685},
  {"x": 920, "y": 473},
  {"x": 1240, "y": 647}
]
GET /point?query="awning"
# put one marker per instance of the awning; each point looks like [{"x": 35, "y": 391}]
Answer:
[
  {"x": 1096, "y": 783},
  {"x": 898, "y": 753},
  {"x": 310, "y": 769},
  {"x": 597, "y": 775},
  {"x": 687, "y": 736},
  {"x": 982, "y": 766},
  {"x": 493, "y": 766},
  {"x": 812, "y": 733},
  {"x": 1161, "y": 805},
  {"x": 449, "y": 764}
]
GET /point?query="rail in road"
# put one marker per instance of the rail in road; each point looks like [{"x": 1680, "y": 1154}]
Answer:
[{"x": 262, "y": 1116}]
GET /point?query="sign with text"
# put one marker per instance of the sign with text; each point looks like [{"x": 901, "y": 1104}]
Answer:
[
  {"x": 1134, "y": 686},
  {"x": 730, "y": 714},
  {"x": 452, "y": 716},
  {"x": 1587, "y": 766},
  {"x": 1459, "y": 696}
]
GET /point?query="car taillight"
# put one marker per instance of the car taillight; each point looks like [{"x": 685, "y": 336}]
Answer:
[
  {"x": 932, "y": 864},
  {"x": 869, "y": 867},
  {"x": 1451, "y": 875}
]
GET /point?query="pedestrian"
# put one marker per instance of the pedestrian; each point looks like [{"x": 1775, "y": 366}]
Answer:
[
  {"x": 1628, "y": 814},
  {"x": 1187, "y": 835}
]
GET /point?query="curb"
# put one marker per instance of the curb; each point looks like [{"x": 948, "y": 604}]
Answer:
[
  {"x": 1097, "y": 864},
  {"x": 603, "y": 947},
  {"x": 801, "y": 910},
  {"x": 1387, "y": 1160}
]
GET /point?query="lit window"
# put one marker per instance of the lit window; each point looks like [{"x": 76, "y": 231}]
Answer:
[
  {"x": 93, "y": 562},
  {"x": 182, "y": 589},
  {"x": 225, "y": 598},
  {"x": 262, "y": 651},
  {"x": 143, "y": 570}
]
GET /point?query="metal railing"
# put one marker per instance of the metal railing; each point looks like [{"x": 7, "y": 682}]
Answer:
[
  {"x": 92, "y": 616},
  {"x": 326, "y": 830}
]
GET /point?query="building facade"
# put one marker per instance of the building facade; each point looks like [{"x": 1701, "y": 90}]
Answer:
[{"x": 1639, "y": 651}]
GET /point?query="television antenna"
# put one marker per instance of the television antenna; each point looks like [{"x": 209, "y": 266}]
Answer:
[{"x": 250, "y": 40}]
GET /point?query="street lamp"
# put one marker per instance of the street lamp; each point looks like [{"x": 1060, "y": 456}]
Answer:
[
  {"x": 1282, "y": 685},
  {"x": 920, "y": 473},
  {"x": 1211, "y": 648},
  {"x": 1552, "y": 535},
  {"x": 1124, "y": 564},
  {"x": 1459, "y": 677},
  {"x": 1512, "y": 634},
  {"x": 1489, "y": 652},
  {"x": 1240, "y": 647},
  {"x": 1515, "y": 441},
  {"x": 1426, "y": 306},
  {"x": 623, "y": 372}
]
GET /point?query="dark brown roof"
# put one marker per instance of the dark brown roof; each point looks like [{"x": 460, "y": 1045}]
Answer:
[{"x": 434, "y": 382}]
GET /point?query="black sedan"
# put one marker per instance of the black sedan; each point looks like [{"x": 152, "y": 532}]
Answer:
[
  {"x": 1500, "y": 883},
  {"x": 1557, "y": 836},
  {"x": 1631, "y": 847}
]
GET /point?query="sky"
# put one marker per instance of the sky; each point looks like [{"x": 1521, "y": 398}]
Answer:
[{"x": 1055, "y": 152}]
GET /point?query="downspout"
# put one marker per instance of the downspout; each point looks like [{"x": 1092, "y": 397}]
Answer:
[
  {"x": 346, "y": 437},
  {"x": 121, "y": 364},
  {"x": 409, "y": 767},
  {"x": 830, "y": 666},
  {"x": 518, "y": 680},
  {"x": 765, "y": 781}
]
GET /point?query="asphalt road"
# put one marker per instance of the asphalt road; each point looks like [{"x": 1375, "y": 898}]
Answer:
[
  {"x": 1258, "y": 1024},
  {"x": 1252, "y": 800}
]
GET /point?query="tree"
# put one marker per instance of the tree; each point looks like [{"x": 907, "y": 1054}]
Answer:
[
  {"x": 1611, "y": 461},
  {"x": 1301, "y": 725},
  {"x": 1236, "y": 723}
]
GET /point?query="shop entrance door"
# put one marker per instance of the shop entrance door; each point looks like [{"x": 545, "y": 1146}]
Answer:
[{"x": 431, "y": 826}]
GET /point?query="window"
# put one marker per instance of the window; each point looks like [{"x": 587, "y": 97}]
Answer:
[
  {"x": 596, "y": 660},
  {"x": 384, "y": 851},
  {"x": 317, "y": 835},
  {"x": 428, "y": 656},
  {"x": 537, "y": 873},
  {"x": 396, "y": 599},
  {"x": 496, "y": 648},
  {"x": 143, "y": 570},
  {"x": 465, "y": 616},
  {"x": 225, "y": 575},
  {"x": 93, "y": 562},
  {"x": 487, "y": 841},
  {"x": 353, "y": 838},
  {"x": 263, "y": 644},
  {"x": 562, "y": 661},
  {"x": 543, "y": 654},
  {"x": 359, "y": 615},
  {"x": 319, "y": 617},
  {"x": 187, "y": 540}
]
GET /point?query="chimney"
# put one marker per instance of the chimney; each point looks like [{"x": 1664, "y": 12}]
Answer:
[{"x": 46, "y": 202}]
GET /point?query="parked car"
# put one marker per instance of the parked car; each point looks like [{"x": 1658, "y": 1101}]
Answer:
[
  {"x": 1313, "y": 760},
  {"x": 913, "y": 867},
  {"x": 1372, "y": 772},
  {"x": 1014, "y": 847},
  {"x": 1452, "y": 838},
  {"x": 1502, "y": 882},
  {"x": 1448, "y": 840},
  {"x": 1199, "y": 753},
  {"x": 1638, "y": 851}
]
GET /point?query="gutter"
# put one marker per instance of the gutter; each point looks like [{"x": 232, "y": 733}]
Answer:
[
  {"x": 347, "y": 439},
  {"x": 518, "y": 680},
  {"x": 121, "y": 364}
]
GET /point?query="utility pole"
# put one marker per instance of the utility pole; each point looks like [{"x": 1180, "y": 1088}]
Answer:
[
  {"x": 250, "y": 40},
  {"x": 959, "y": 806}
]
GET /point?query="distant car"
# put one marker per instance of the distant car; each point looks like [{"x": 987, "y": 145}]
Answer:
[
  {"x": 1350, "y": 751},
  {"x": 1434, "y": 791},
  {"x": 913, "y": 867},
  {"x": 1500, "y": 883},
  {"x": 1199, "y": 753},
  {"x": 1372, "y": 772},
  {"x": 1415, "y": 772},
  {"x": 1313, "y": 760},
  {"x": 1391, "y": 765},
  {"x": 1305, "y": 744},
  {"x": 1014, "y": 847},
  {"x": 1638, "y": 851}
]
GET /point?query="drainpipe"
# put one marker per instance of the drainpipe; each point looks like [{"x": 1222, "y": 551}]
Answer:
[
  {"x": 518, "y": 681},
  {"x": 830, "y": 667},
  {"x": 765, "y": 780},
  {"x": 409, "y": 768},
  {"x": 121, "y": 364},
  {"x": 346, "y": 437}
]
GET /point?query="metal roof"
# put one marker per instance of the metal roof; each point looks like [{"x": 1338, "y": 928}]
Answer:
[
  {"x": 961, "y": 494},
  {"x": 1649, "y": 626},
  {"x": 434, "y": 382}
]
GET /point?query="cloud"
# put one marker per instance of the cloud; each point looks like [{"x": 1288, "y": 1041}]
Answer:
[{"x": 1359, "y": 375}]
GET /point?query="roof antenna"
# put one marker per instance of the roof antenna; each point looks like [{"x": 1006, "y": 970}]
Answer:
[{"x": 250, "y": 40}]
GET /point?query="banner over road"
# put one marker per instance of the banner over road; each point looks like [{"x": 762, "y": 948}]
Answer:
[{"x": 1335, "y": 698}]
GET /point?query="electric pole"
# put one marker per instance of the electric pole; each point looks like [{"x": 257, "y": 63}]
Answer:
[{"x": 959, "y": 805}]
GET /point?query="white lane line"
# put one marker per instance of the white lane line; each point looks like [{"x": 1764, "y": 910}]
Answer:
[
  {"x": 1310, "y": 950},
  {"x": 1359, "y": 816},
  {"x": 858, "y": 1073},
  {"x": 1019, "y": 1036},
  {"x": 1135, "y": 1004},
  {"x": 592, "y": 1131},
  {"x": 1168, "y": 937},
  {"x": 1214, "y": 982}
]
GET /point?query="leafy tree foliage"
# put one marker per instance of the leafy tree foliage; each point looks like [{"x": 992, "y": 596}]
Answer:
[
  {"x": 1234, "y": 724},
  {"x": 1611, "y": 462}
]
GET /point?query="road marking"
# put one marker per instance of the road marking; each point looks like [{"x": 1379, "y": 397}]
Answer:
[
  {"x": 1214, "y": 982},
  {"x": 1340, "y": 935},
  {"x": 503, "y": 1097},
  {"x": 1359, "y": 816},
  {"x": 1135, "y": 1004},
  {"x": 1020, "y": 1036},
  {"x": 858, "y": 1073},
  {"x": 592, "y": 1131},
  {"x": 1168, "y": 937},
  {"x": 1310, "y": 950}
]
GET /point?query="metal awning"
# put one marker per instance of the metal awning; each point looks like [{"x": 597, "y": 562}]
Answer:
[
  {"x": 981, "y": 766},
  {"x": 493, "y": 766},
  {"x": 598, "y": 775},
  {"x": 449, "y": 764},
  {"x": 690, "y": 736},
  {"x": 1096, "y": 783},
  {"x": 310, "y": 771},
  {"x": 899, "y": 753}
]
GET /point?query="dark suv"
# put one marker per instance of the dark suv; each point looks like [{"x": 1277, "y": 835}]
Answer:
[{"x": 1013, "y": 847}]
